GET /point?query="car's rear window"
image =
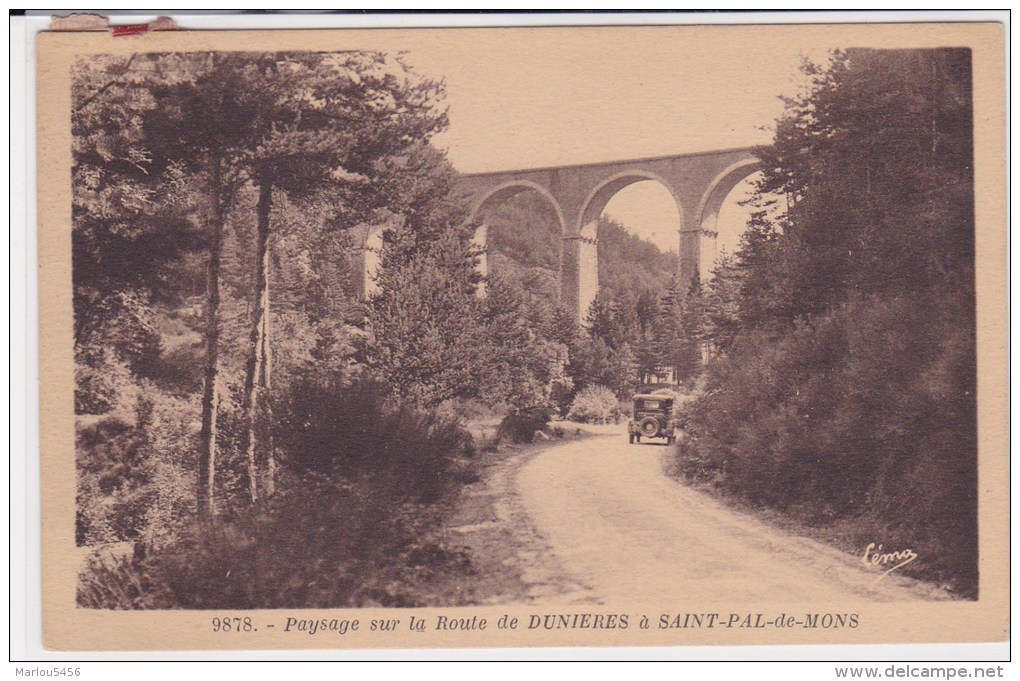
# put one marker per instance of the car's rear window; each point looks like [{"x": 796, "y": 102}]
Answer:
[{"x": 651, "y": 404}]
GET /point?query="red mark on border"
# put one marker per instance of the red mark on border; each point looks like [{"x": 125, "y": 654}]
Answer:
[
  {"x": 95, "y": 22},
  {"x": 132, "y": 29}
]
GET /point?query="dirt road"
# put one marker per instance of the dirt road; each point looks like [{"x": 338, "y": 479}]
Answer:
[{"x": 625, "y": 532}]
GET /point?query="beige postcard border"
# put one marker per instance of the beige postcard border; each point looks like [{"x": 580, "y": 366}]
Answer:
[{"x": 66, "y": 627}]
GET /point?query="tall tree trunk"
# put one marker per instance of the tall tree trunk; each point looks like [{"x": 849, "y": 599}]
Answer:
[
  {"x": 255, "y": 374},
  {"x": 210, "y": 396},
  {"x": 266, "y": 375}
]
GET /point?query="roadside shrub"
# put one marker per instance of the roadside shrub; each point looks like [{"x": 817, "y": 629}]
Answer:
[
  {"x": 870, "y": 428},
  {"x": 520, "y": 425},
  {"x": 595, "y": 404},
  {"x": 321, "y": 542},
  {"x": 561, "y": 396},
  {"x": 117, "y": 583},
  {"x": 362, "y": 490},
  {"x": 353, "y": 427}
]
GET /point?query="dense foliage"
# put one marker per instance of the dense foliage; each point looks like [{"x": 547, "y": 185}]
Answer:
[
  {"x": 257, "y": 436},
  {"x": 631, "y": 334},
  {"x": 844, "y": 387},
  {"x": 595, "y": 404},
  {"x": 353, "y": 521},
  {"x": 235, "y": 399}
]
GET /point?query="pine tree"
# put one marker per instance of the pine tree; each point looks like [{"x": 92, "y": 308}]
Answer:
[
  {"x": 425, "y": 336},
  {"x": 848, "y": 327},
  {"x": 322, "y": 123}
]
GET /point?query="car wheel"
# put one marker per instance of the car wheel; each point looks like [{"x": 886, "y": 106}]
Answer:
[{"x": 649, "y": 427}]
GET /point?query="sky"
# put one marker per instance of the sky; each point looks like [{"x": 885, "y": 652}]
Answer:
[{"x": 541, "y": 98}]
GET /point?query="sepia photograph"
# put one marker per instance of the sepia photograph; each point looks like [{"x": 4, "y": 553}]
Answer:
[{"x": 659, "y": 335}]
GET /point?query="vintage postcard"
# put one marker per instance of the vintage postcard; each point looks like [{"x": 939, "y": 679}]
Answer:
[{"x": 514, "y": 337}]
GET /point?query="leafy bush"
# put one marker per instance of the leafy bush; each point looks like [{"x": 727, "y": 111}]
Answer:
[
  {"x": 102, "y": 382},
  {"x": 321, "y": 542},
  {"x": 353, "y": 427},
  {"x": 520, "y": 425},
  {"x": 876, "y": 437},
  {"x": 135, "y": 480},
  {"x": 117, "y": 583},
  {"x": 595, "y": 404},
  {"x": 359, "y": 499},
  {"x": 845, "y": 390}
]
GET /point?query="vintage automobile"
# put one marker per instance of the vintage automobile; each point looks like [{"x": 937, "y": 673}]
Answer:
[{"x": 652, "y": 417}]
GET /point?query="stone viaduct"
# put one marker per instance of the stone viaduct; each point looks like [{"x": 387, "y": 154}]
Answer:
[{"x": 698, "y": 182}]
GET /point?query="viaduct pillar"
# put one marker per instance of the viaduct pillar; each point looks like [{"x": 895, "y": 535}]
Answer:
[
  {"x": 698, "y": 182},
  {"x": 579, "y": 273}
]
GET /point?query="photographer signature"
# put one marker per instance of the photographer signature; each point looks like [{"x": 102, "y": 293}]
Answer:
[{"x": 875, "y": 557}]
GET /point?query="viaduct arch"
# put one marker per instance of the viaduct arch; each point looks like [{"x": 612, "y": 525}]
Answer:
[{"x": 699, "y": 183}]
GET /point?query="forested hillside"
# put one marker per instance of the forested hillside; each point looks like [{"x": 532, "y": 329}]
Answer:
[
  {"x": 631, "y": 328},
  {"x": 250, "y": 434},
  {"x": 234, "y": 401},
  {"x": 843, "y": 389},
  {"x": 524, "y": 242},
  {"x": 630, "y": 265}
]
